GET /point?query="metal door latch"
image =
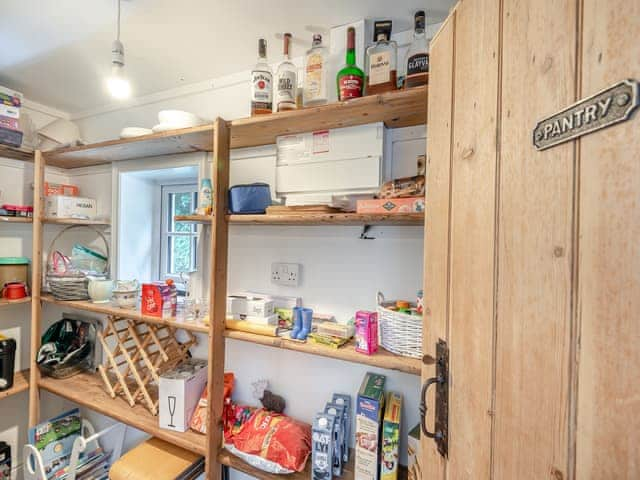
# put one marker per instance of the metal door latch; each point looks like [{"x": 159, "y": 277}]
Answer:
[{"x": 441, "y": 380}]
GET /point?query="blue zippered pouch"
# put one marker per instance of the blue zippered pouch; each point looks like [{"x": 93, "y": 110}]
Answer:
[{"x": 247, "y": 199}]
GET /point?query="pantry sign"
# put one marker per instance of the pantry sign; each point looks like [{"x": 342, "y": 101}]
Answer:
[{"x": 608, "y": 107}]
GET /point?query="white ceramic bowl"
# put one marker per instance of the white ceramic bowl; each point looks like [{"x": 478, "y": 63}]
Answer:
[
  {"x": 178, "y": 118},
  {"x": 132, "y": 132},
  {"x": 126, "y": 298}
]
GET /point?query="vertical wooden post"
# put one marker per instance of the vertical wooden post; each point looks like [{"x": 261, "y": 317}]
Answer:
[
  {"x": 217, "y": 295},
  {"x": 36, "y": 282}
]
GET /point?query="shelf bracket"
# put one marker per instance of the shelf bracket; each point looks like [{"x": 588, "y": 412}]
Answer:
[{"x": 363, "y": 235}]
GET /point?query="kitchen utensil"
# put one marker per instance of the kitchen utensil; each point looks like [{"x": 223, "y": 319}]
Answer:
[
  {"x": 100, "y": 290},
  {"x": 14, "y": 291}
]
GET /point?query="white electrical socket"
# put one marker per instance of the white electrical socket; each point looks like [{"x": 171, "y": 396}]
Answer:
[{"x": 287, "y": 274}]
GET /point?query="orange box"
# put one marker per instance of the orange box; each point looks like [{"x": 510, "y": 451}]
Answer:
[
  {"x": 391, "y": 205},
  {"x": 60, "y": 189}
]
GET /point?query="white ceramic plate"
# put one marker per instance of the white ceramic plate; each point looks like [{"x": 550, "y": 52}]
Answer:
[
  {"x": 178, "y": 117},
  {"x": 164, "y": 127},
  {"x": 131, "y": 132}
]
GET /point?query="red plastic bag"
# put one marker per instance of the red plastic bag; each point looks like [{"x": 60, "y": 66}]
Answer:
[{"x": 277, "y": 438}]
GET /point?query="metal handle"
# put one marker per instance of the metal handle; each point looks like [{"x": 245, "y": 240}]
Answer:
[{"x": 423, "y": 406}]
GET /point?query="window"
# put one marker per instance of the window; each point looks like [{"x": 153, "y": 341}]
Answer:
[{"x": 179, "y": 242}]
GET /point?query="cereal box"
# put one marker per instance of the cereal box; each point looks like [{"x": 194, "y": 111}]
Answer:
[
  {"x": 390, "y": 437},
  {"x": 369, "y": 408}
]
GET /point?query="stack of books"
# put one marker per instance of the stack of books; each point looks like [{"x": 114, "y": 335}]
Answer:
[{"x": 10, "y": 104}]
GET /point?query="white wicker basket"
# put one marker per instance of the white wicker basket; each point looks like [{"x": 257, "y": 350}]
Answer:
[{"x": 399, "y": 333}]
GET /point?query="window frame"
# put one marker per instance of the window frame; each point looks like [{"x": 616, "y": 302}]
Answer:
[{"x": 166, "y": 190}]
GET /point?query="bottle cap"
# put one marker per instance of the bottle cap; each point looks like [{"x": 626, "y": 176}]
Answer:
[
  {"x": 382, "y": 28},
  {"x": 322, "y": 422},
  {"x": 317, "y": 38},
  {"x": 262, "y": 47},
  {"x": 419, "y": 18},
  {"x": 351, "y": 38}
]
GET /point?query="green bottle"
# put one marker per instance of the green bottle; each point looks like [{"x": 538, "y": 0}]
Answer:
[{"x": 350, "y": 79}]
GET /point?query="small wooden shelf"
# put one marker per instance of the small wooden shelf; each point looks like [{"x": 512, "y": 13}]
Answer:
[
  {"x": 4, "y": 218},
  {"x": 229, "y": 459},
  {"x": 347, "y": 353},
  {"x": 22, "y": 153},
  {"x": 401, "y": 108},
  {"x": 406, "y": 219},
  {"x": 20, "y": 384},
  {"x": 6, "y": 303},
  {"x": 110, "y": 309},
  {"x": 75, "y": 221},
  {"x": 88, "y": 391}
]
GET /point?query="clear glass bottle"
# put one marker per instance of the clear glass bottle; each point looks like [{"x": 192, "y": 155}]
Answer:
[
  {"x": 261, "y": 83},
  {"x": 350, "y": 79},
  {"x": 286, "y": 81},
  {"x": 314, "y": 91},
  {"x": 417, "y": 61},
  {"x": 381, "y": 61}
]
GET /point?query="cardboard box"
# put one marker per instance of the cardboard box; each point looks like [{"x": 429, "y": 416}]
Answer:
[
  {"x": 391, "y": 205},
  {"x": 389, "y": 456},
  {"x": 158, "y": 300},
  {"x": 179, "y": 392},
  {"x": 64, "y": 206},
  {"x": 413, "y": 454},
  {"x": 8, "y": 122},
  {"x": 369, "y": 408},
  {"x": 60, "y": 189},
  {"x": 250, "y": 306},
  {"x": 9, "y": 111},
  {"x": 366, "y": 332}
]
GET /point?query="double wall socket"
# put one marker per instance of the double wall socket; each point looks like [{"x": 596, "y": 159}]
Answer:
[{"x": 287, "y": 274}]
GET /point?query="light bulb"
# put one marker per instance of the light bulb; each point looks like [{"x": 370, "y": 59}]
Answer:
[{"x": 118, "y": 85}]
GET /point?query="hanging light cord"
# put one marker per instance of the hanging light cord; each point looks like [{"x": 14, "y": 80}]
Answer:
[{"x": 118, "y": 24}]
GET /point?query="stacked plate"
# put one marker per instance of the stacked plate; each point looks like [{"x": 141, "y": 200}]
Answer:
[{"x": 169, "y": 120}]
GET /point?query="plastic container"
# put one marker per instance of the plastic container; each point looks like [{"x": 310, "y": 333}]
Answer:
[
  {"x": 18, "y": 210},
  {"x": 7, "y": 362},
  {"x": 247, "y": 199}
]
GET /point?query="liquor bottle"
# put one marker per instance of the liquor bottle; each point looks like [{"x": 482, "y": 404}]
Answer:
[
  {"x": 261, "y": 83},
  {"x": 314, "y": 91},
  {"x": 350, "y": 78},
  {"x": 287, "y": 81},
  {"x": 417, "y": 62},
  {"x": 380, "y": 61}
]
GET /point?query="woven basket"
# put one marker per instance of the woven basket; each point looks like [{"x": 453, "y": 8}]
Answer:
[
  {"x": 71, "y": 286},
  {"x": 399, "y": 333}
]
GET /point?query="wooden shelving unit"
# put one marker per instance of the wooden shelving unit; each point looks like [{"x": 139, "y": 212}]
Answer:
[
  {"x": 20, "y": 384},
  {"x": 7, "y": 303},
  {"x": 5, "y": 219},
  {"x": 347, "y": 353},
  {"x": 395, "y": 109},
  {"x": 24, "y": 154},
  {"x": 405, "y": 219},
  {"x": 110, "y": 309},
  {"x": 75, "y": 221},
  {"x": 88, "y": 390}
]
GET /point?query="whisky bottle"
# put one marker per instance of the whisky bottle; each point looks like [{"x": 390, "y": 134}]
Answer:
[
  {"x": 380, "y": 61},
  {"x": 287, "y": 81},
  {"x": 350, "y": 79},
  {"x": 261, "y": 83},
  {"x": 417, "y": 61},
  {"x": 314, "y": 91}
]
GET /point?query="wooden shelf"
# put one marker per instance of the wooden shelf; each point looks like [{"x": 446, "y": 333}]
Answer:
[
  {"x": 6, "y": 303},
  {"x": 88, "y": 391},
  {"x": 75, "y": 221},
  {"x": 227, "y": 458},
  {"x": 22, "y": 153},
  {"x": 401, "y": 108},
  {"x": 406, "y": 219},
  {"x": 184, "y": 140},
  {"x": 110, "y": 309},
  {"x": 20, "y": 384},
  {"x": 347, "y": 353},
  {"x": 7, "y": 219}
]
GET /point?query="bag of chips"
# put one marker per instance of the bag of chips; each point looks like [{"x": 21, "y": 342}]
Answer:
[{"x": 273, "y": 442}]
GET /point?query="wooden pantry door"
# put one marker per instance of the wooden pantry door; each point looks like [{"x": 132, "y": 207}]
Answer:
[{"x": 532, "y": 258}]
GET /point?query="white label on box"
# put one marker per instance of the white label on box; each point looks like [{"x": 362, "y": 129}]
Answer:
[
  {"x": 179, "y": 392},
  {"x": 320, "y": 142},
  {"x": 62, "y": 206}
]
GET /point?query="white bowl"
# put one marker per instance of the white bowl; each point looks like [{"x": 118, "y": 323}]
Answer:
[
  {"x": 132, "y": 132},
  {"x": 126, "y": 299},
  {"x": 178, "y": 118}
]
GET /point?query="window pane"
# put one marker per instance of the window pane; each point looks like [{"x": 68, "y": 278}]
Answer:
[
  {"x": 181, "y": 255},
  {"x": 181, "y": 204}
]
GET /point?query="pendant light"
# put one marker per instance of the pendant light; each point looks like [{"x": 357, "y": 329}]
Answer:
[{"x": 118, "y": 84}]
